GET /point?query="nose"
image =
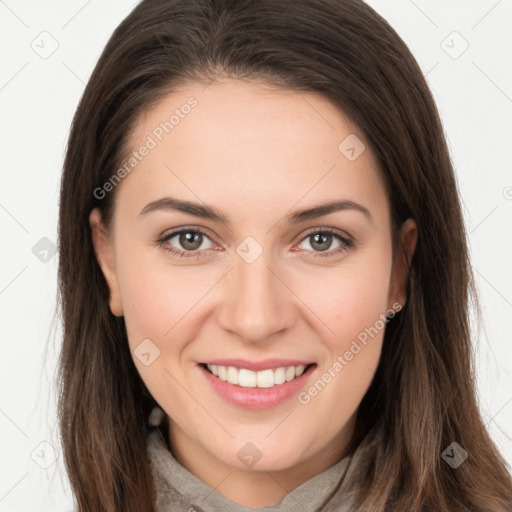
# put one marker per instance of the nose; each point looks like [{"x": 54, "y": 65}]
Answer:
[{"x": 257, "y": 305}]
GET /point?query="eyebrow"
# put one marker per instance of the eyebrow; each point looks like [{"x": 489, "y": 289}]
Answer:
[{"x": 208, "y": 212}]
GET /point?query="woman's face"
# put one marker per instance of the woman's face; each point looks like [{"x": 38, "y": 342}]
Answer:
[{"x": 254, "y": 282}]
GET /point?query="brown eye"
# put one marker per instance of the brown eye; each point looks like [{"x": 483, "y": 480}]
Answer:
[
  {"x": 186, "y": 243},
  {"x": 190, "y": 240},
  {"x": 321, "y": 241}
]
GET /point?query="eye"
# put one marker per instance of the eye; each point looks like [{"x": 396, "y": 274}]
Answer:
[
  {"x": 321, "y": 241},
  {"x": 190, "y": 240}
]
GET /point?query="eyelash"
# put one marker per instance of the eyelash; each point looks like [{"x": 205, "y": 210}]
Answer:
[{"x": 346, "y": 243}]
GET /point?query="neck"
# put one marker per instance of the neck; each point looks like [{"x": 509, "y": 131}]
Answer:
[{"x": 252, "y": 488}]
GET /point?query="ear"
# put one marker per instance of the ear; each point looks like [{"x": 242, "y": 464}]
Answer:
[
  {"x": 401, "y": 261},
  {"x": 105, "y": 255}
]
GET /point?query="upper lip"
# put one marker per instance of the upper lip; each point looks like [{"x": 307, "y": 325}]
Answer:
[{"x": 258, "y": 365}]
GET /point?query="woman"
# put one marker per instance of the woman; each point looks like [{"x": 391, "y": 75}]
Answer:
[{"x": 264, "y": 272}]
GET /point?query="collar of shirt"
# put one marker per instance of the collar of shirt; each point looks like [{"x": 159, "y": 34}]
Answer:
[{"x": 179, "y": 489}]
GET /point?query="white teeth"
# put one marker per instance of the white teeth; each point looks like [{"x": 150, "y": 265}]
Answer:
[
  {"x": 223, "y": 372},
  {"x": 279, "y": 376},
  {"x": 232, "y": 375},
  {"x": 262, "y": 379},
  {"x": 247, "y": 378},
  {"x": 265, "y": 378},
  {"x": 290, "y": 373}
]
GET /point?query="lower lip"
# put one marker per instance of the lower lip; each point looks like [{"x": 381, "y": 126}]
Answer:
[{"x": 257, "y": 398}]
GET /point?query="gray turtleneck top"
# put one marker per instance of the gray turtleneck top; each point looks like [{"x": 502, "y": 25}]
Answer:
[{"x": 177, "y": 489}]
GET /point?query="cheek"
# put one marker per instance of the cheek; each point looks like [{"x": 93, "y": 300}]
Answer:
[
  {"x": 157, "y": 305},
  {"x": 351, "y": 301},
  {"x": 156, "y": 297},
  {"x": 350, "y": 298}
]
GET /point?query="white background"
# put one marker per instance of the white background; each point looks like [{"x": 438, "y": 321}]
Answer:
[{"x": 37, "y": 101}]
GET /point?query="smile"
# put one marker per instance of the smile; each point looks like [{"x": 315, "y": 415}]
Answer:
[
  {"x": 259, "y": 388},
  {"x": 246, "y": 378}
]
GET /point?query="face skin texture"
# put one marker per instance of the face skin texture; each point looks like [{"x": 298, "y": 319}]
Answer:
[{"x": 256, "y": 155}]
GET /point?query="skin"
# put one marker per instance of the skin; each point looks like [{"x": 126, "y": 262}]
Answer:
[{"x": 256, "y": 154}]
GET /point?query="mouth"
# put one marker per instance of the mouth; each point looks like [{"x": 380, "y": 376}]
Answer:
[
  {"x": 256, "y": 390},
  {"x": 267, "y": 378}
]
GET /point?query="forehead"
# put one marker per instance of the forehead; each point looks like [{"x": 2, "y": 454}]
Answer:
[{"x": 244, "y": 143}]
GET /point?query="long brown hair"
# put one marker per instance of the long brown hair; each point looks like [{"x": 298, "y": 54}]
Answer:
[{"x": 423, "y": 395}]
